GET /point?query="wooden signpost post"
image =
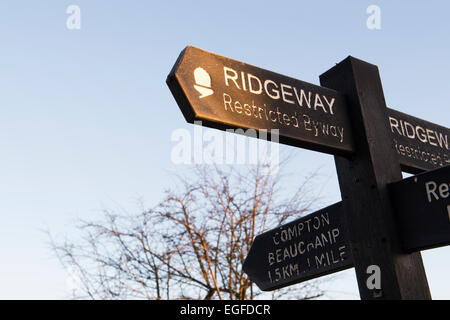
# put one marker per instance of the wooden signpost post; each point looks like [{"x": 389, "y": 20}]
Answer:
[{"x": 377, "y": 224}]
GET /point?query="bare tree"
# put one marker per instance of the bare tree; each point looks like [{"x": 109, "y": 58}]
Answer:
[{"x": 190, "y": 246}]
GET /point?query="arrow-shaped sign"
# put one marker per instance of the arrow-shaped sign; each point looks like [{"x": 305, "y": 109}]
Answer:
[
  {"x": 225, "y": 93},
  {"x": 303, "y": 249}
]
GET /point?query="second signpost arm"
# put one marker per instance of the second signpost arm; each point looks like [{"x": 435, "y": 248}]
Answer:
[{"x": 363, "y": 182}]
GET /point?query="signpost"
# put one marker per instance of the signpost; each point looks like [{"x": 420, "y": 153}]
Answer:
[
  {"x": 422, "y": 206},
  {"x": 309, "y": 247},
  {"x": 420, "y": 145},
  {"x": 374, "y": 225}
]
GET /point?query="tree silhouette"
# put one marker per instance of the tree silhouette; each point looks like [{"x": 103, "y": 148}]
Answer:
[{"x": 192, "y": 245}]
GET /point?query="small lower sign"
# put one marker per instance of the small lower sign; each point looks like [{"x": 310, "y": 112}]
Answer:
[
  {"x": 422, "y": 206},
  {"x": 303, "y": 249}
]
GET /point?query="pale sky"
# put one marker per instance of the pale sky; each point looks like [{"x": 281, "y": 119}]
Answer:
[{"x": 86, "y": 117}]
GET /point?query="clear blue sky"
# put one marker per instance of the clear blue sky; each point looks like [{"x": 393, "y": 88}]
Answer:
[{"x": 86, "y": 117}]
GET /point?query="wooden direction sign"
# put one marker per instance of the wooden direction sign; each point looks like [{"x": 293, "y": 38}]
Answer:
[
  {"x": 420, "y": 145},
  {"x": 303, "y": 249},
  {"x": 225, "y": 93},
  {"x": 422, "y": 206},
  {"x": 228, "y": 94}
]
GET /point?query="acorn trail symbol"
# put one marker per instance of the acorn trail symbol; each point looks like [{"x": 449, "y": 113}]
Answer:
[{"x": 202, "y": 82}]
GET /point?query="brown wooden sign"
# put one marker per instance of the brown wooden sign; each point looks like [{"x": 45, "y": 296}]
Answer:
[
  {"x": 224, "y": 93},
  {"x": 422, "y": 204},
  {"x": 420, "y": 145},
  {"x": 346, "y": 117},
  {"x": 303, "y": 249}
]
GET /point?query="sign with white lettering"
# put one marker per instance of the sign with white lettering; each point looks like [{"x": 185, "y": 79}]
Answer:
[
  {"x": 422, "y": 206},
  {"x": 303, "y": 249},
  {"x": 420, "y": 145},
  {"x": 228, "y": 94},
  {"x": 224, "y": 93}
]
